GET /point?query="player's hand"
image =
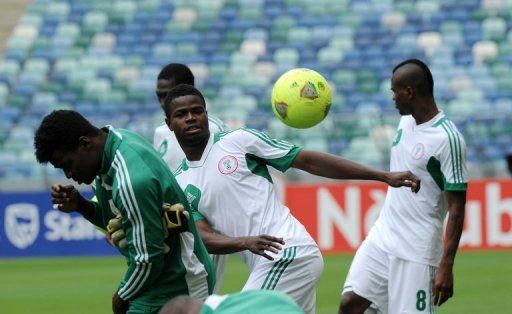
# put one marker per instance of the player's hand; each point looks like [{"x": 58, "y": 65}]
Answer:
[
  {"x": 119, "y": 306},
  {"x": 262, "y": 244},
  {"x": 443, "y": 285},
  {"x": 116, "y": 233},
  {"x": 175, "y": 218},
  {"x": 66, "y": 197},
  {"x": 405, "y": 178}
]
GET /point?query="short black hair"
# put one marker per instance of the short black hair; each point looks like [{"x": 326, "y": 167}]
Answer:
[
  {"x": 423, "y": 81},
  {"x": 61, "y": 129},
  {"x": 178, "y": 91},
  {"x": 179, "y": 72}
]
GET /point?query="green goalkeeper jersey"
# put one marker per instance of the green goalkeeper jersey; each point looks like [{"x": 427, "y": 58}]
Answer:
[
  {"x": 253, "y": 301},
  {"x": 134, "y": 182}
]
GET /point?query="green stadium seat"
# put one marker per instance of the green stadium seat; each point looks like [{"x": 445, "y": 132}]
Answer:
[
  {"x": 427, "y": 7},
  {"x": 10, "y": 68},
  {"x": 94, "y": 21},
  {"x": 70, "y": 30},
  {"x": 34, "y": 65},
  {"x": 59, "y": 10},
  {"x": 329, "y": 56},
  {"x": 299, "y": 35},
  {"x": 494, "y": 28},
  {"x": 19, "y": 43},
  {"x": 286, "y": 56},
  {"x": 33, "y": 19}
]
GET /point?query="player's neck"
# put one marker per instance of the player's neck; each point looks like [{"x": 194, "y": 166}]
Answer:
[
  {"x": 194, "y": 151},
  {"x": 425, "y": 111}
]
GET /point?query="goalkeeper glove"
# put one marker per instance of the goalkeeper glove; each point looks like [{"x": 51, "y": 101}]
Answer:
[
  {"x": 175, "y": 218},
  {"x": 116, "y": 233}
]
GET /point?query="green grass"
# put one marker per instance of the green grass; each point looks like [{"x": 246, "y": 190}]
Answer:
[{"x": 85, "y": 285}]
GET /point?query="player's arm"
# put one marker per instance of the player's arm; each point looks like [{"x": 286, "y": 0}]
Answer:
[
  {"x": 68, "y": 199},
  {"x": 443, "y": 285},
  {"x": 334, "y": 167},
  {"x": 220, "y": 244},
  {"x": 452, "y": 178}
]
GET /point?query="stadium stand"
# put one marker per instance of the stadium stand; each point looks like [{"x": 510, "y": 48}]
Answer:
[{"x": 102, "y": 58}]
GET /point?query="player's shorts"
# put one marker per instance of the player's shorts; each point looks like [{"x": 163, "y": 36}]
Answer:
[
  {"x": 295, "y": 271},
  {"x": 392, "y": 284}
]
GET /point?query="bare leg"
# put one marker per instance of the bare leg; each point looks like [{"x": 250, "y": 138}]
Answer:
[{"x": 352, "y": 303}]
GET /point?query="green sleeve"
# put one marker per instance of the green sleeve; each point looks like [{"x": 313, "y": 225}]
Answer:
[{"x": 140, "y": 198}]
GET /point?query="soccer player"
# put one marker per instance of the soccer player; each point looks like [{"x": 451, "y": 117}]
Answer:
[
  {"x": 130, "y": 180},
  {"x": 402, "y": 267},
  {"x": 227, "y": 182},
  {"x": 164, "y": 139},
  {"x": 254, "y": 301}
]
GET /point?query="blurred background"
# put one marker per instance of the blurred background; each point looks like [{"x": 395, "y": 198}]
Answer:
[{"x": 102, "y": 58}]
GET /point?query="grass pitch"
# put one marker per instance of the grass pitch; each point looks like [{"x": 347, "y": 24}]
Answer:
[{"x": 86, "y": 285}]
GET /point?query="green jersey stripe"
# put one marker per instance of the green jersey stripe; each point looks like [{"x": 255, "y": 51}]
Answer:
[
  {"x": 124, "y": 187},
  {"x": 452, "y": 150},
  {"x": 459, "y": 150},
  {"x": 456, "y": 159},
  {"x": 270, "y": 141},
  {"x": 141, "y": 269},
  {"x": 290, "y": 260},
  {"x": 126, "y": 203},
  {"x": 129, "y": 290},
  {"x": 270, "y": 274}
]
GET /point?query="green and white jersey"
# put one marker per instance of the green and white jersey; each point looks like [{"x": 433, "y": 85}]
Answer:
[
  {"x": 410, "y": 225},
  {"x": 166, "y": 144},
  {"x": 231, "y": 188},
  {"x": 134, "y": 181},
  {"x": 254, "y": 301}
]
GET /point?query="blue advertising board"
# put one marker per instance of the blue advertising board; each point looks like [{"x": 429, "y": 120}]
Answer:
[{"x": 29, "y": 226}]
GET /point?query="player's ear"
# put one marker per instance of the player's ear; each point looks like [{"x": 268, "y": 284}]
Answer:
[
  {"x": 84, "y": 143},
  {"x": 168, "y": 122},
  {"x": 410, "y": 92}
]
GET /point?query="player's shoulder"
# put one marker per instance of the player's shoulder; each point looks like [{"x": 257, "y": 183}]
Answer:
[
  {"x": 216, "y": 124},
  {"x": 162, "y": 131},
  {"x": 447, "y": 133}
]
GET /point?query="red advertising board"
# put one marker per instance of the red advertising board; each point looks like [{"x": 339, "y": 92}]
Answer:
[{"x": 339, "y": 215}]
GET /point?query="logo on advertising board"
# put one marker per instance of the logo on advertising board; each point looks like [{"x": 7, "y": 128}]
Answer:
[{"x": 21, "y": 224}]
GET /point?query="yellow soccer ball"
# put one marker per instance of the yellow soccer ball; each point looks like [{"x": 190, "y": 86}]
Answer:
[{"x": 301, "y": 98}]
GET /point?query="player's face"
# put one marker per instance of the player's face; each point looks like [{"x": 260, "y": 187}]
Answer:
[
  {"x": 162, "y": 88},
  {"x": 401, "y": 97},
  {"x": 80, "y": 165},
  {"x": 189, "y": 119}
]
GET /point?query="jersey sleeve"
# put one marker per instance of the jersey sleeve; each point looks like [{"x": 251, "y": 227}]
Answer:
[
  {"x": 139, "y": 195},
  {"x": 276, "y": 153},
  {"x": 452, "y": 157}
]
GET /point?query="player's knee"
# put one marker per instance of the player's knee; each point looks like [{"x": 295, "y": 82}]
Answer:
[{"x": 351, "y": 303}]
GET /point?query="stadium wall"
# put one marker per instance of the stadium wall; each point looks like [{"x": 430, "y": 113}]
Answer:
[{"x": 337, "y": 215}]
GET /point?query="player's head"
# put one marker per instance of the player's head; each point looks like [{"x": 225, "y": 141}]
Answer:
[
  {"x": 185, "y": 114},
  {"x": 69, "y": 142},
  {"x": 411, "y": 81},
  {"x": 182, "y": 304},
  {"x": 171, "y": 75}
]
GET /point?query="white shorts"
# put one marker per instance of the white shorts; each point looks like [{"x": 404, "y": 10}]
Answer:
[
  {"x": 295, "y": 271},
  {"x": 392, "y": 284}
]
